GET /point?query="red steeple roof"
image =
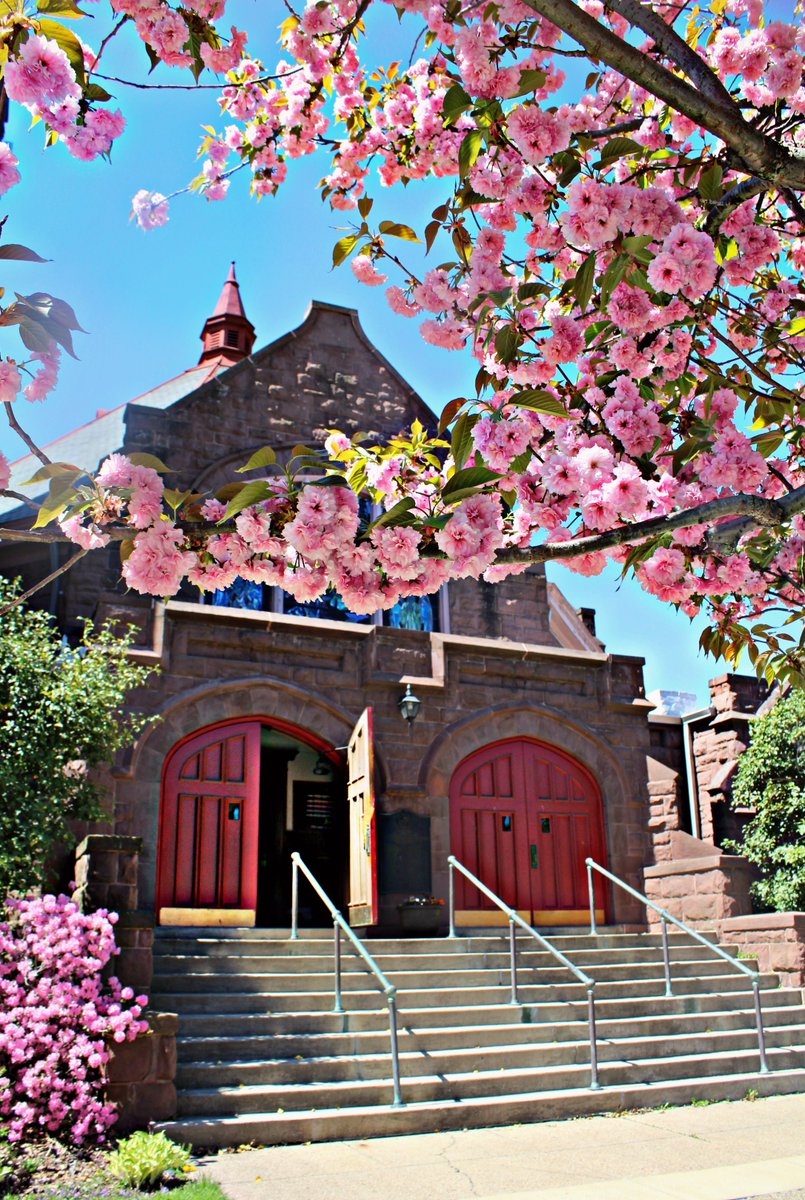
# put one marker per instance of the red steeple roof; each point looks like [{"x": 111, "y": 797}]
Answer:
[{"x": 228, "y": 334}]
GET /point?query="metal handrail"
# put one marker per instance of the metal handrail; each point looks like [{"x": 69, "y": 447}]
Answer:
[
  {"x": 665, "y": 917},
  {"x": 515, "y": 919},
  {"x": 340, "y": 924}
]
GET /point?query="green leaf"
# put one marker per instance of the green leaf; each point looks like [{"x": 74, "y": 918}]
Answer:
[
  {"x": 469, "y": 151},
  {"x": 710, "y": 182},
  {"x": 506, "y": 342},
  {"x": 450, "y": 411},
  {"x": 530, "y": 80},
  {"x": 343, "y": 249},
  {"x": 51, "y": 470},
  {"x": 461, "y": 443},
  {"x": 613, "y": 275},
  {"x": 767, "y": 443},
  {"x": 261, "y": 458},
  {"x": 394, "y": 229},
  {"x": 94, "y": 92},
  {"x": 13, "y": 250},
  {"x": 63, "y": 8},
  {"x": 365, "y": 206},
  {"x": 68, "y": 42},
  {"x": 797, "y": 326},
  {"x": 583, "y": 283},
  {"x": 540, "y": 401},
  {"x": 398, "y": 514},
  {"x": 59, "y": 496},
  {"x": 175, "y": 498},
  {"x": 455, "y": 103},
  {"x": 636, "y": 247},
  {"x": 616, "y": 148},
  {"x": 251, "y": 493},
  {"x": 150, "y": 460},
  {"x": 467, "y": 480}
]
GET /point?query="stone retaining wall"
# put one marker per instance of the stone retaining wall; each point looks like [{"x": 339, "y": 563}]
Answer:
[
  {"x": 700, "y": 891},
  {"x": 776, "y": 939},
  {"x": 141, "y": 1074}
]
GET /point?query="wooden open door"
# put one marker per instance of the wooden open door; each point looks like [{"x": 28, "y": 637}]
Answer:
[
  {"x": 363, "y": 909},
  {"x": 207, "y": 870}
]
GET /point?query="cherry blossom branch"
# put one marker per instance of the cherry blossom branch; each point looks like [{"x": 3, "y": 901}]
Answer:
[
  {"x": 42, "y": 583},
  {"x": 26, "y": 500},
  {"x": 190, "y": 87},
  {"x": 733, "y": 199},
  {"x": 760, "y": 153},
  {"x": 29, "y": 442}
]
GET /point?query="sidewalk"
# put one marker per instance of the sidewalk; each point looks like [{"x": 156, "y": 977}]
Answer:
[{"x": 723, "y": 1151}]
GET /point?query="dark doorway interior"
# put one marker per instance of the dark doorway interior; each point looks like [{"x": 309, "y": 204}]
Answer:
[{"x": 303, "y": 808}]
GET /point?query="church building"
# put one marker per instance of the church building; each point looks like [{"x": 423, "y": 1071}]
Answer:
[{"x": 285, "y": 726}]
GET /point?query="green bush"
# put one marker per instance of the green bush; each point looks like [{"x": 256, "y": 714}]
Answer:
[
  {"x": 771, "y": 779},
  {"x": 61, "y": 714},
  {"x": 145, "y": 1159}
]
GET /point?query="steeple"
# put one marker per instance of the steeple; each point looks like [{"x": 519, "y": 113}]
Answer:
[{"x": 228, "y": 334}]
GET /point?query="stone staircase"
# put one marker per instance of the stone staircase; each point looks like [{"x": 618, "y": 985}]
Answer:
[{"x": 263, "y": 1058}]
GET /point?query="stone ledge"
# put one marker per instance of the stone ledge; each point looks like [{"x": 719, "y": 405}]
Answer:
[
  {"x": 691, "y": 866},
  {"x": 108, "y": 842},
  {"x": 761, "y": 921}
]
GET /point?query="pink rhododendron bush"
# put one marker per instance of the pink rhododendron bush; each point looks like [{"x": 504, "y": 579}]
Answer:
[
  {"x": 57, "y": 1018},
  {"x": 620, "y": 243}
]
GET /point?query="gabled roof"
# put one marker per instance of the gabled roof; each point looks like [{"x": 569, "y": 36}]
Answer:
[{"x": 91, "y": 443}]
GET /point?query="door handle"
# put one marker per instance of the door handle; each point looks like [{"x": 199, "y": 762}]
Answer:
[{"x": 534, "y": 858}]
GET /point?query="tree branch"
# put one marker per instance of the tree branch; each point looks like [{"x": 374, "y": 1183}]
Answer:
[
  {"x": 731, "y": 200},
  {"x": 667, "y": 40},
  {"x": 18, "y": 429},
  {"x": 760, "y": 154},
  {"x": 42, "y": 583}
]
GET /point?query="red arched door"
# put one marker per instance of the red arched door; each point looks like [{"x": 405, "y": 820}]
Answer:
[
  {"x": 524, "y": 816},
  {"x": 209, "y": 826}
]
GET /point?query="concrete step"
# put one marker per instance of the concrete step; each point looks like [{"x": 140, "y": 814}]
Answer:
[
  {"x": 256, "y": 963},
  {"x": 272, "y": 1128},
  {"x": 352, "y": 979},
  {"x": 234, "y": 1020},
  {"x": 255, "y": 993},
  {"x": 486, "y": 1058},
  {"x": 217, "y": 1101},
  {"x": 312, "y": 942},
  {"x": 253, "y": 1047}
]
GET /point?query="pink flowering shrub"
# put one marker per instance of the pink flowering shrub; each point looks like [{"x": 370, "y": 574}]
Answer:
[{"x": 57, "y": 1015}]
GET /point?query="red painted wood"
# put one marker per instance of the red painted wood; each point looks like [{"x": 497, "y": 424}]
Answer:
[
  {"x": 206, "y": 858},
  {"x": 554, "y": 805}
]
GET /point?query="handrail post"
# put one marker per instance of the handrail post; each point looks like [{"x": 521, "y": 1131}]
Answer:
[
  {"x": 594, "y": 1084},
  {"x": 591, "y": 893},
  {"x": 339, "y": 1008},
  {"x": 761, "y": 1035},
  {"x": 294, "y": 898},
  {"x": 666, "y": 956},
  {"x": 451, "y": 893},
  {"x": 513, "y": 955},
  {"x": 391, "y": 999}
]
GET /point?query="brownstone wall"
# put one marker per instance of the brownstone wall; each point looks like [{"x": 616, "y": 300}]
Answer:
[
  {"x": 224, "y": 663},
  {"x": 700, "y": 891},
  {"x": 717, "y": 748},
  {"x": 776, "y": 939},
  {"x": 667, "y": 788}
]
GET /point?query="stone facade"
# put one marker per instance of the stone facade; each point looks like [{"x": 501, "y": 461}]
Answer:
[
  {"x": 776, "y": 939},
  {"x": 499, "y": 669}
]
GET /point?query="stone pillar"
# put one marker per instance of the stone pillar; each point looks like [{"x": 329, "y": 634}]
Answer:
[
  {"x": 106, "y": 866},
  {"x": 700, "y": 891},
  {"x": 140, "y": 1075}
]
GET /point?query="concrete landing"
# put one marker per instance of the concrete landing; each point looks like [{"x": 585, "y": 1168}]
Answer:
[{"x": 721, "y": 1151}]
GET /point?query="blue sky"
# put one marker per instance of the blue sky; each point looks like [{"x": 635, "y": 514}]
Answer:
[{"x": 143, "y": 298}]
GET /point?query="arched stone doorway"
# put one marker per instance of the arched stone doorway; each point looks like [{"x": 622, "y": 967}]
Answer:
[
  {"x": 523, "y": 817},
  {"x": 238, "y": 798}
]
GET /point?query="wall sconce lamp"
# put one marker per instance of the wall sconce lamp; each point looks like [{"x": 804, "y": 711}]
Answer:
[
  {"x": 322, "y": 766},
  {"x": 409, "y": 705}
]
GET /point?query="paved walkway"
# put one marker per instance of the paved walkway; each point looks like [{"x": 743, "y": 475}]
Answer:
[{"x": 722, "y": 1151}]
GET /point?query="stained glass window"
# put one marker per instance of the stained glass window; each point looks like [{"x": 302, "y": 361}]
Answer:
[
  {"x": 414, "y": 612},
  {"x": 240, "y": 594},
  {"x": 329, "y": 607}
]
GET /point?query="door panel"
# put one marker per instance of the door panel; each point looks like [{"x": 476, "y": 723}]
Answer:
[
  {"x": 556, "y": 820},
  {"x": 363, "y": 906},
  {"x": 209, "y": 825}
]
